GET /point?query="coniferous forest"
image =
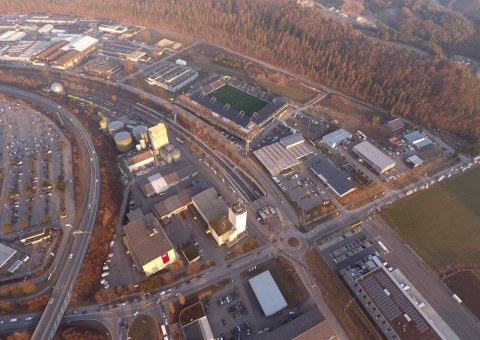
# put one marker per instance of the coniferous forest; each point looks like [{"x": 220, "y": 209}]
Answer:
[{"x": 435, "y": 92}]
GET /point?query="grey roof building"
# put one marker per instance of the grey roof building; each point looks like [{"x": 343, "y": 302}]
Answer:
[
  {"x": 335, "y": 138},
  {"x": 373, "y": 156},
  {"x": 336, "y": 179},
  {"x": 268, "y": 295}
]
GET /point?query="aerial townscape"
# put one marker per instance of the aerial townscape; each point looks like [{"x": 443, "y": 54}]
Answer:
[{"x": 230, "y": 169}]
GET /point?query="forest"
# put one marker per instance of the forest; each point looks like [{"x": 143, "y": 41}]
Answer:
[{"x": 434, "y": 92}]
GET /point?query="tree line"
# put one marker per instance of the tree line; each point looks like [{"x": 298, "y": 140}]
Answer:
[{"x": 431, "y": 91}]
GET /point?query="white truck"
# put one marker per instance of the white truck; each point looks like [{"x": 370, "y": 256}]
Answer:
[{"x": 105, "y": 274}]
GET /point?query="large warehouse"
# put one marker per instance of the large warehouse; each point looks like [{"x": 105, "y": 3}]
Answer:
[
  {"x": 172, "y": 77},
  {"x": 373, "y": 156},
  {"x": 336, "y": 138},
  {"x": 284, "y": 154},
  {"x": 6, "y": 254},
  {"x": 330, "y": 175},
  {"x": 268, "y": 295},
  {"x": 148, "y": 244},
  {"x": 417, "y": 139}
]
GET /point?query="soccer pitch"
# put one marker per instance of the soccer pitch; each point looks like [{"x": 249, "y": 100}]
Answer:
[
  {"x": 238, "y": 100},
  {"x": 442, "y": 223}
]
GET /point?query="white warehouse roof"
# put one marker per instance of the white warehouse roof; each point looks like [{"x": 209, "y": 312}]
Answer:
[
  {"x": 81, "y": 44},
  {"x": 334, "y": 138},
  {"x": 268, "y": 295},
  {"x": 5, "y": 253},
  {"x": 374, "y": 156}
]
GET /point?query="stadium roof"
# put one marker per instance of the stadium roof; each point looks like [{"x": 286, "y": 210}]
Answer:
[
  {"x": 374, "y": 156},
  {"x": 268, "y": 295},
  {"x": 210, "y": 204},
  {"x": 332, "y": 139},
  {"x": 217, "y": 107},
  {"x": 147, "y": 239},
  {"x": 418, "y": 139},
  {"x": 5, "y": 253},
  {"x": 276, "y": 157},
  {"x": 336, "y": 179}
]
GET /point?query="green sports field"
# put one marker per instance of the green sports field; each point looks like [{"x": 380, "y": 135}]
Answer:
[
  {"x": 238, "y": 100},
  {"x": 443, "y": 223}
]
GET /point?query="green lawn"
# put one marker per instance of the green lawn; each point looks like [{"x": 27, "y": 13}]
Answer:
[
  {"x": 238, "y": 100},
  {"x": 442, "y": 223}
]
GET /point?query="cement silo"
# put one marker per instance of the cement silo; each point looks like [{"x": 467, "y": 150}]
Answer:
[
  {"x": 116, "y": 126},
  {"x": 143, "y": 143},
  {"x": 175, "y": 155},
  {"x": 124, "y": 141},
  {"x": 140, "y": 132},
  {"x": 138, "y": 147},
  {"x": 168, "y": 158},
  {"x": 169, "y": 148}
]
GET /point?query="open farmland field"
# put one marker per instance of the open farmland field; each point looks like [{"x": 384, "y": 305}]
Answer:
[
  {"x": 293, "y": 90},
  {"x": 238, "y": 100},
  {"x": 442, "y": 223}
]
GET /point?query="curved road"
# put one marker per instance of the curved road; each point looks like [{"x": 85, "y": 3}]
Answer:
[{"x": 60, "y": 297}]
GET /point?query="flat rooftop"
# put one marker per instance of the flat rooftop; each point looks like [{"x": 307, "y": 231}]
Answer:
[
  {"x": 139, "y": 157},
  {"x": 210, "y": 204},
  {"x": 276, "y": 157},
  {"x": 171, "y": 204},
  {"x": 336, "y": 179},
  {"x": 221, "y": 225},
  {"x": 336, "y": 137},
  {"x": 268, "y": 294},
  {"x": 147, "y": 239},
  {"x": 373, "y": 155},
  {"x": 5, "y": 253}
]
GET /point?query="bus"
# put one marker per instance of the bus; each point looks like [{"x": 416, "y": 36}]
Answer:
[
  {"x": 385, "y": 249},
  {"x": 164, "y": 330},
  {"x": 456, "y": 298}
]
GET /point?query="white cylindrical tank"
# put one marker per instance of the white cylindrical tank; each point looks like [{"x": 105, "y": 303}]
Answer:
[
  {"x": 175, "y": 155},
  {"x": 143, "y": 144},
  {"x": 140, "y": 132},
  {"x": 56, "y": 87},
  {"x": 116, "y": 126},
  {"x": 124, "y": 141},
  {"x": 138, "y": 147}
]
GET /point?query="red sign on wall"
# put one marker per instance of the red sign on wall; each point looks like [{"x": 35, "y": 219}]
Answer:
[{"x": 165, "y": 258}]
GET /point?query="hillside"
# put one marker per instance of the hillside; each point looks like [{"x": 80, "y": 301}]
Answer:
[
  {"x": 434, "y": 92},
  {"x": 469, "y": 7}
]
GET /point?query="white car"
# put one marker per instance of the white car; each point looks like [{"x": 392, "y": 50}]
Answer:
[
  {"x": 135, "y": 314},
  {"x": 28, "y": 318},
  {"x": 70, "y": 256}
]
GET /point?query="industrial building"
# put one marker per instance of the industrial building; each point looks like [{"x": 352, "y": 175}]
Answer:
[
  {"x": 6, "y": 254},
  {"x": 121, "y": 50},
  {"x": 386, "y": 301},
  {"x": 172, "y": 205},
  {"x": 268, "y": 294},
  {"x": 114, "y": 29},
  {"x": 283, "y": 154},
  {"x": 336, "y": 138},
  {"x": 395, "y": 124},
  {"x": 47, "y": 28},
  {"x": 333, "y": 177},
  {"x": 172, "y": 77},
  {"x": 135, "y": 215},
  {"x": 414, "y": 161},
  {"x": 226, "y": 224},
  {"x": 374, "y": 157},
  {"x": 55, "y": 19},
  {"x": 160, "y": 182},
  {"x": 190, "y": 253},
  {"x": 194, "y": 323},
  {"x": 169, "y": 45},
  {"x": 418, "y": 140},
  {"x": 102, "y": 66},
  {"x": 140, "y": 160},
  {"x": 66, "y": 53},
  {"x": 22, "y": 50},
  {"x": 149, "y": 245},
  {"x": 158, "y": 137},
  {"x": 10, "y": 36}
]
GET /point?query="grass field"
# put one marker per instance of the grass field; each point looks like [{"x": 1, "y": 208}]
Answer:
[
  {"x": 442, "y": 223},
  {"x": 238, "y": 100},
  {"x": 293, "y": 91},
  {"x": 143, "y": 327}
]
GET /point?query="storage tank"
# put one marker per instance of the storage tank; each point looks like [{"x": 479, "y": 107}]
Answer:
[
  {"x": 138, "y": 147},
  {"x": 140, "y": 132},
  {"x": 168, "y": 158},
  {"x": 175, "y": 155},
  {"x": 104, "y": 124},
  {"x": 57, "y": 88},
  {"x": 169, "y": 148},
  {"x": 124, "y": 141},
  {"x": 116, "y": 126},
  {"x": 143, "y": 144}
]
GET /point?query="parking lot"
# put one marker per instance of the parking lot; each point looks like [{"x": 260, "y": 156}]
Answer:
[{"x": 36, "y": 158}]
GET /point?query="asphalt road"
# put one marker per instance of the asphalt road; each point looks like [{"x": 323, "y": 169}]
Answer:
[{"x": 60, "y": 297}]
